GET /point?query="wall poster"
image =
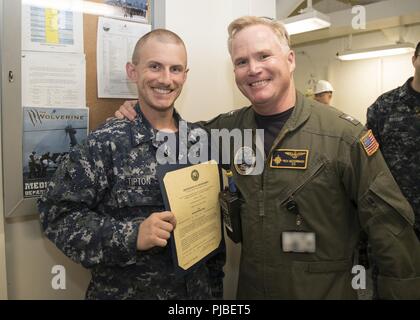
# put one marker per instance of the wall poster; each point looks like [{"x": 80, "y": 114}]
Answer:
[{"x": 48, "y": 135}]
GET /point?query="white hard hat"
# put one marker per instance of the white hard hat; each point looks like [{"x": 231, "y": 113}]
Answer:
[{"x": 323, "y": 86}]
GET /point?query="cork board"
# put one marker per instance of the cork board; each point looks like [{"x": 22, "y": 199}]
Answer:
[{"x": 99, "y": 109}]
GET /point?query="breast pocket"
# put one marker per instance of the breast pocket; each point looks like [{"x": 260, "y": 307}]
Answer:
[
  {"x": 137, "y": 185},
  {"x": 399, "y": 128},
  {"x": 322, "y": 280},
  {"x": 137, "y": 197},
  {"x": 304, "y": 180},
  {"x": 314, "y": 203}
]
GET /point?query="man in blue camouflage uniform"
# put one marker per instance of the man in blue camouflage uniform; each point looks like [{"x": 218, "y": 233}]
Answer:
[
  {"x": 395, "y": 121},
  {"x": 104, "y": 208}
]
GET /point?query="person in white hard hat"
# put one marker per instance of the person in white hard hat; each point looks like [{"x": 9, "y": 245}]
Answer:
[{"x": 323, "y": 92}]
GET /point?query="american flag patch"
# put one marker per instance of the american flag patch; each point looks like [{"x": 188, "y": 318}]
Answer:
[{"x": 369, "y": 143}]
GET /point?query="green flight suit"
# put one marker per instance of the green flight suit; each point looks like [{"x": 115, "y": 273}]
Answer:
[{"x": 341, "y": 191}]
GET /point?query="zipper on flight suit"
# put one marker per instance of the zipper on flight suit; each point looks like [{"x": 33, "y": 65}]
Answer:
[
  {"x": 314, "y": 172},
  {"x": 261, "y": 196},
  {"x": 290, "y": 195},
  {"x": 261, "y": 191}
]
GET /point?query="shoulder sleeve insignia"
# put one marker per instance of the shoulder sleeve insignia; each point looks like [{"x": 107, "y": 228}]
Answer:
[
  {"x": 349, "y": 119},
  {"x": 369, "y": 143},
  {"x": 233, "y": 112}
]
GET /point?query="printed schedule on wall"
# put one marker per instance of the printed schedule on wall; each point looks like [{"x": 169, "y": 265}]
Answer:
[{"x": 51, "y": 29}]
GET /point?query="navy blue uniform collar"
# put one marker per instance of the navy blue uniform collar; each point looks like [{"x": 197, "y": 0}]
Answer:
[
  {"x": 406, "y": 92},
  {"x": 142, "y": 130}
]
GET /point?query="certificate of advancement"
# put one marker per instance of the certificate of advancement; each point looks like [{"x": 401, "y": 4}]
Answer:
[{"x": 192, "y": 193}]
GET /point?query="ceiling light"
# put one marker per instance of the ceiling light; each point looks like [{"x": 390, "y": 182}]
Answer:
[
  {"x": 384, "y": 51},
  {"x": 308, "y": 20}
]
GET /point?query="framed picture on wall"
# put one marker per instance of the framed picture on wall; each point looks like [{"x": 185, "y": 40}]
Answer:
[{"x": 137, "y": 10}]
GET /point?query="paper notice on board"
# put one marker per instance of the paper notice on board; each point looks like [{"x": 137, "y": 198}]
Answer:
[
  {"x": 115, "y": 45},
  {"x": 48, "y": 134},
  {"x": 53, "y": 79},
  {"x": 51, "y": 29}
]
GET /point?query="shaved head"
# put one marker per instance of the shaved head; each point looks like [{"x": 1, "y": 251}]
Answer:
[{"x": 161, "y": 35}]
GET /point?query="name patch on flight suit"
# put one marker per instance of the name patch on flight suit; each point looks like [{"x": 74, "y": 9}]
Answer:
[
  {"x": 289, "y": 159},
  {"x": 369, "y": 143}
]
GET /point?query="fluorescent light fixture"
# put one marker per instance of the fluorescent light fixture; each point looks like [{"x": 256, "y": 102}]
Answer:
[
  {"x": 309, "y": 20},
  {"x": 377, "y": 52}
]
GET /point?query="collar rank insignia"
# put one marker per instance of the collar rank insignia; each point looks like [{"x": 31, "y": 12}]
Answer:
[
  {"x": 289, "y": 159},
  {"x": 369, "y": 143},
  {"x": 349, "y": 119}
]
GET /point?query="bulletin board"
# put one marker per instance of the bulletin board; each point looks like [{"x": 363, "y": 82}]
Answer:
[
  {"x": 99, "y": 109},
  {"x": 15, "y": 204}
]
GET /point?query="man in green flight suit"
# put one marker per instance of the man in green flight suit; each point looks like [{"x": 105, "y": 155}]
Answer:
[{"x": 324, "y": 180}]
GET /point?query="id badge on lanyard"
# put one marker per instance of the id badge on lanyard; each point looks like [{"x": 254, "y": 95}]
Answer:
[{"x": 297, "y": 241}]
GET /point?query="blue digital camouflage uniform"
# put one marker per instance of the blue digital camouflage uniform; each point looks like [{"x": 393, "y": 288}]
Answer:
[
  {"x": 94, "y": 205},
  {"x": 395, "y": 121}
]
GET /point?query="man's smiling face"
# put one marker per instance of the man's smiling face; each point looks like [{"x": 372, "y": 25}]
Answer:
[
  {"x": 160, "y": 73},
  {"x": 263, "y": 66}
]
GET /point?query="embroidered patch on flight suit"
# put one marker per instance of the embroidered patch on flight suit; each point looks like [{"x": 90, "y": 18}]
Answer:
[
  {"x": 349, "y": 119},
  {"x": 369, "y": 143},
  {"x": 245, "y": 160},
  {"x": 289, "y": 159}
]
